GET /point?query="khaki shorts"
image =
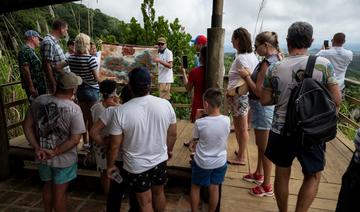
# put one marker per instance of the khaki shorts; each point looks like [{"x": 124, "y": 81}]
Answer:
[{"x": 164, "y": 90}]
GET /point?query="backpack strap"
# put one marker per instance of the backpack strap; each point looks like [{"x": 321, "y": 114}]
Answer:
[{"x": 310, "y": 66}]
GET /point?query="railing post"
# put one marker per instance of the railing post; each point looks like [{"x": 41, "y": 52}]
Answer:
[{"x": 4, "y": 141}]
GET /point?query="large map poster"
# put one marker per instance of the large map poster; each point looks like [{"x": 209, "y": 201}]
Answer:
[{"x": 118, "y": 60}]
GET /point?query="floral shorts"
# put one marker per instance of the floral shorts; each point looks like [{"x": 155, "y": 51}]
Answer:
[{"x": 239, "y": 105}]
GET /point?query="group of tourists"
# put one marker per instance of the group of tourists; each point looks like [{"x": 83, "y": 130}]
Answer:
[{"x": 134, "y": 134}]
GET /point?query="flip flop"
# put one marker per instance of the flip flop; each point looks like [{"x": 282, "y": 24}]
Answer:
[{"x": 236, "y": 162}]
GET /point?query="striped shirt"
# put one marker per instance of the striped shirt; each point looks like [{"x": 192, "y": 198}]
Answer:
[{"x": 83, "y": 66}]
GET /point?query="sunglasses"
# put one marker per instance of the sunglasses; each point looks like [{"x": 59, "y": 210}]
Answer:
[{"x": 161, "y": 44}]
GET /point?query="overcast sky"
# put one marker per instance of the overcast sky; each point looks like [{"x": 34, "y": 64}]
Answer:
[{"x": 327, "y": 17}]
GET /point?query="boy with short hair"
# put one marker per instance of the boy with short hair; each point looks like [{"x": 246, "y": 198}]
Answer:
[{"x": 209, "y": 166}]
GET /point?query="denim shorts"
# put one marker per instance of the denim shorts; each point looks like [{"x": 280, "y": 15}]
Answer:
[
  {"x": 57, "y": 175},
  {"x": 239, "y": 105},
  {"x": 86, "y": 93},
  {"x": 282, "y": 150},
  {"x": 261, "y": 116},
  {"x": 205, "y": 177}
]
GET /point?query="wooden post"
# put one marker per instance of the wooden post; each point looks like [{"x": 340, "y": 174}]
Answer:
[
  {"x": 4, "y": 142},
  {"x": 215, "y": 53}
]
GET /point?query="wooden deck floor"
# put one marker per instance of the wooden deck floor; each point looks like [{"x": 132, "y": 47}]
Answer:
[{"x": 235, "y": 191}]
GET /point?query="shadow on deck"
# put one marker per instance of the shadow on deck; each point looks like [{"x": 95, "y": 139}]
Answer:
[{"x": 235, "y": 190}]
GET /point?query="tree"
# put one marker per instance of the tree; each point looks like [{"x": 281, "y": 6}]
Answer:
[{"x": 148, "y": 12}]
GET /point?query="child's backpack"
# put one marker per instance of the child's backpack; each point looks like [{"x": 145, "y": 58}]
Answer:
[{"x": 311, "y": 112}]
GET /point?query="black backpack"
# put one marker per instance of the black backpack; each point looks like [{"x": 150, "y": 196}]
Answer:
[{"x": 311, "y": 112}]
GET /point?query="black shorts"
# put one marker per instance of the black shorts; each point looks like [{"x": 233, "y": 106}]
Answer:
[
  {"x": 282, "y": 150},
  {"x": 142, "y": 182}
]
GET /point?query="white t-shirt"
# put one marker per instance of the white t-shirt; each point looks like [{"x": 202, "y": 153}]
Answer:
[
  {"x": 96, "y": 111},
  {"x": 165, "y": 74},
  {"x": 144, "y": 121},
  {"x": 340, "y": 58},
  {"x": 247, "y": 60},
  {"x": 213, "y": 132}
]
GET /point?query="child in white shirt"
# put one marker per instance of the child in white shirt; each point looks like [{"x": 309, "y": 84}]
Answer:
[{"x": 209, "y": 165}]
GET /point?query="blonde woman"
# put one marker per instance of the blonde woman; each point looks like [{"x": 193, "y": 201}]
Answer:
[
  {"x": 267, "y": 46},
  {"x": 84, "y": 65}
]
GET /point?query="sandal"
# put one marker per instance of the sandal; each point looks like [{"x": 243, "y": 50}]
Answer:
[
  {"x": 254, "y": 178},
  {"x": 261, "y": 191},
  {"x": 236, "y": 162}
]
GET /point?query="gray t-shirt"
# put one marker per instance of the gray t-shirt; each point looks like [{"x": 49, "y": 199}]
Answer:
[{"x": 56, "y": 120}]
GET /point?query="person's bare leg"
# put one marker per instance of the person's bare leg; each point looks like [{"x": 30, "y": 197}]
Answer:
[
  {"x": 195, "y": 197},
  {"x": 47, "y": 196},
  {"x": 145, "y": 201},
  {"x": 158, "y": 198},
  {"x": 281, "y": 187},
  {"x": 213, "y": 197},
  {"x": 261, "y": 137},
  {"x": 60, "y": 197},
  {"x": 308, "y": 191},
  {"x": 84, "y": 111},
  {"x": 242, "y": 136}
]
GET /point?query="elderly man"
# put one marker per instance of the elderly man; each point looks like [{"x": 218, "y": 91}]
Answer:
[
  {"x": 339, "y": 57},
  {"x": 165, "y": 61},
  {"x": 53, "y": 127},
  {"x": 145, "y": 130},
  {"x": 52, "y": 53},
  {"x": 281, "y": 150},
  {"x": 32, "y": 76}
]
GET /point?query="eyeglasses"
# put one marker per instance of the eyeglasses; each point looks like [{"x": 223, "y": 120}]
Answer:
[{"x": 161, "y": 44}]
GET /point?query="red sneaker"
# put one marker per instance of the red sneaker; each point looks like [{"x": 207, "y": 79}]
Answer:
[
  {"x": 262, "y": 191},
  {"x": 254, "y": 178}
]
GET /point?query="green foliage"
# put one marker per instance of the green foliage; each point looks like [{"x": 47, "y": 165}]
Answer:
[{"x": 228, "y": 59}]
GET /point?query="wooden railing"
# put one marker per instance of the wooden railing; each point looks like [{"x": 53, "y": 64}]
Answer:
[
  {"x": 351, "y": 100},
  {"x": 5, "y": 127}
]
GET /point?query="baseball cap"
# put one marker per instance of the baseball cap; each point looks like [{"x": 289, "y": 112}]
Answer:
[
  {"x": 68, "y": 80},
  {"x": 32, "y": 33},
  {"x": 161, "y": 40},
  {"x": 200, "y": 39},
  {"x": 139, "y": 78}
]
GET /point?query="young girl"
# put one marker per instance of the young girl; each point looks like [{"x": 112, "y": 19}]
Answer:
[{"x": 110, "y": 98}]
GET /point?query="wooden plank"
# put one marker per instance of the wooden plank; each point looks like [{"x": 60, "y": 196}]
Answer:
[
  {"x": 351, "y": 81},
  {"x": 4, "y": 142},
  {"x": 348, "y": 120},
  {"x": 14, "y": 125},
  {"x": 180, "y": 105},
  {"x": 17, "y": 102},
  {"x": 352, "y": 100},
  {"x": 344, "y": 140}
]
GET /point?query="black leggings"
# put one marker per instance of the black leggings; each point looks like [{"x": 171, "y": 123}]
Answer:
[{"x": 116, "y": 193}]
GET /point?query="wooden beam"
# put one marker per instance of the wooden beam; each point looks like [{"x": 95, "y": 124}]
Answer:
[
  {"x": 15, "y": 5},
  {"x": 352, "y": 100},
  {"x": 4, "y": 144},
  {"x": 215, "y": 48},
  {"x": 349, "y": 121}
]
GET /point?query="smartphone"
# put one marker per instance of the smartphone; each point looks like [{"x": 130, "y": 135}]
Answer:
[
  {"x": 185, "y": 61},
  {"x": 326, "y": 44},
  {"x": 115, "y": 175}
]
